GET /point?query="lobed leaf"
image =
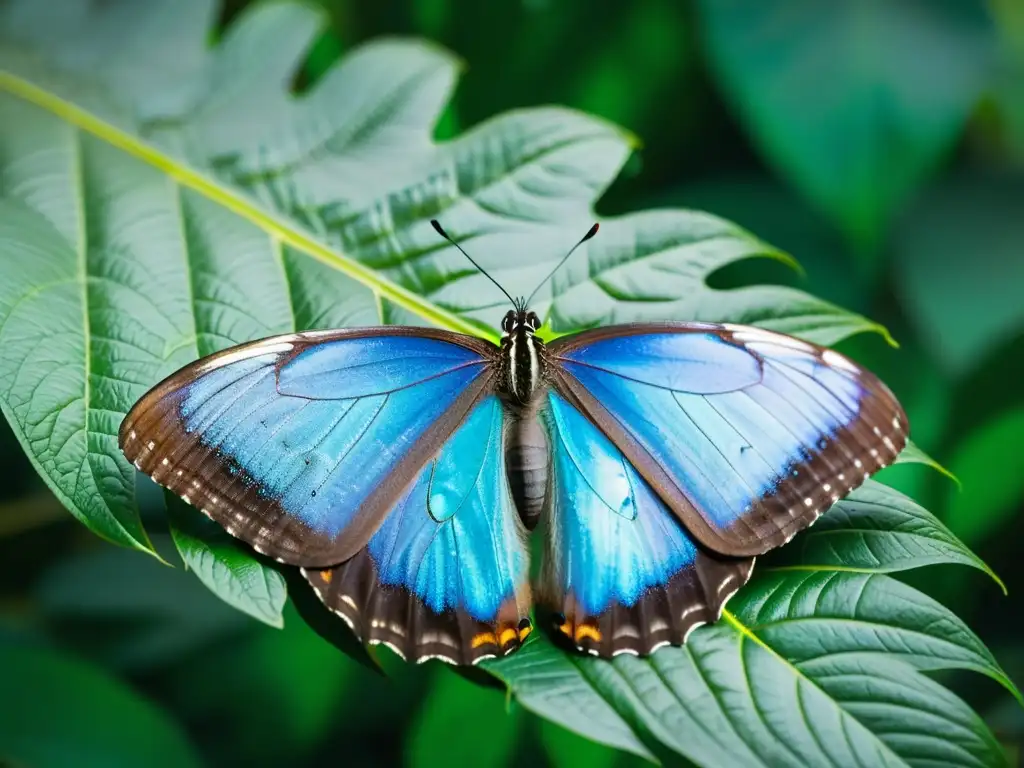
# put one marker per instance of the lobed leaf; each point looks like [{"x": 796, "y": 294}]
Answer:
[{"x": 183, "y": 200}]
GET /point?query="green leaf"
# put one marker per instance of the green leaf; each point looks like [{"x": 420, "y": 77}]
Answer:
[
  {"x": 268, "y": 697},
  {"x": 963, "y": 309},
  {"x": 991, "y": 464},
  {"x": 912, "y": 454},
  {"x": 878, "y": 530},
  {"x": 853, "y": 101},
  {"x": 804, "y": 658},
  {"x": 552, "y": 684},
  {"x": 565, "y": 749},
  {"x": 62, "y": 712},
  {"x": 654, "y": 265},
  {"x": 131, "y": 613},
  {"x": 176, "y": 200},
  {"x": 229, "y": 570},
  {"x": 439, "y": 736}
]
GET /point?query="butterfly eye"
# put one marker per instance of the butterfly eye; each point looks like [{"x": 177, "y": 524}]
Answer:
[
  {"x": 532, "y": 320},
  {"x": 508, "y": 321}
]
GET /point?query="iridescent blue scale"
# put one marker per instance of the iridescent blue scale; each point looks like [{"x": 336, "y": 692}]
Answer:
[
  {"x": 611, "y": 539},
  {"x": 466, "y": 552}
]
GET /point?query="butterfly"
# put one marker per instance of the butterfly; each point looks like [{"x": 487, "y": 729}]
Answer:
[{"x": 403, "y": 468}]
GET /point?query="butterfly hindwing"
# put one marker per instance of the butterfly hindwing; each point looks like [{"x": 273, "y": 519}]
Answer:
[
  {"x": 299, "y": 444},
  {"x": 620, "y": 572},
  {"x": 446, "y": 574},
  {"x": 746, "y": 435}
]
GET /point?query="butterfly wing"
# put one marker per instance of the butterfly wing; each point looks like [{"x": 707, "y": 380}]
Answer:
[
  {"x": 746, "y": 435},
  {"x": 620, "y": 571},
  {"x": 300, "y": 444},
  {"x": 446, "y": 574}
]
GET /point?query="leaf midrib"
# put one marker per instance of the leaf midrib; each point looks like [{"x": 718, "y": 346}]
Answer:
[
  {"x": 745, "y": 633},
  {"x": 276, "y": 227}
]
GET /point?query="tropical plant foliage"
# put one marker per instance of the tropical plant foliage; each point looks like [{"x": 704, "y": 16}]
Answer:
[{"x": 162, "y": 199}]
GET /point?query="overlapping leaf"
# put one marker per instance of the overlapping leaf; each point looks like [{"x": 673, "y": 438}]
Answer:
[
  {"x": 161, "y": 200},
  {"x": 817, "y": 662}
]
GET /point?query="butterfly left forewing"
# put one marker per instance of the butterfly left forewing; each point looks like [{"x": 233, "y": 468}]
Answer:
[
  {"x": 620, "y": 572},
  {"x": 748, "y": 436},
  {"x": 299, "y": 444},
  {"x": 446, "y": 574}
]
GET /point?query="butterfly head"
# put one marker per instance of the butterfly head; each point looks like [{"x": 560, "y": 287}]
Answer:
[{"x": 519, "y": 321}]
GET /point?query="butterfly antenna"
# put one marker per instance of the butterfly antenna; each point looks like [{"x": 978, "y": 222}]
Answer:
[
  {"x": 437, "y": 227},
  {"x": 590, "y": 233}
]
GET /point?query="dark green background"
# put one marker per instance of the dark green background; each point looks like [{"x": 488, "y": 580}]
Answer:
[{"x": 881, "y": 143}]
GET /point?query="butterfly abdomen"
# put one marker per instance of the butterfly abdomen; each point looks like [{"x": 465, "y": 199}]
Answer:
[{"x": 526, "y": 462}]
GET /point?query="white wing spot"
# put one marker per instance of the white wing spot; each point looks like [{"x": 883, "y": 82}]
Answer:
[
  {"x": 132, "y": 435},
  {"x": 138, "y": 464},
  {"x": 627, "y": 651},
  {"x": 808, "y": 501},
  {"x": 837, "y": 361},
  {"x": 858, "y": 463},
  {"x": 878, "y": 431},
  {"x": 186, "y": 499},
  {"x": 347, "y": 620},
  {"x": 165, "y": 462},
  {"x": 826, "y": 487}
]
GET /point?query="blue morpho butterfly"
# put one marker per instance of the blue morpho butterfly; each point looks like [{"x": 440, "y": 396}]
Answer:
[{"x": 402, "y": 467}]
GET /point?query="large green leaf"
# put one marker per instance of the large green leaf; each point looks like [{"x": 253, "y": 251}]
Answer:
[
  {"x": 58, "y": 712},
  {"x": 161, "y": 200},
  {"x": 878, "y": 529},
  {"x": 853, "y": 101},
  {"x": 168, "y": 202},
  {"x": 810, "y": 651},
  {"x": 963, "y": 309},
  {"x": 991, "y": 464}
]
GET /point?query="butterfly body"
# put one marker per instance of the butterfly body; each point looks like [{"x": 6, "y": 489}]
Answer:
[{"x": 402, "y": 468}]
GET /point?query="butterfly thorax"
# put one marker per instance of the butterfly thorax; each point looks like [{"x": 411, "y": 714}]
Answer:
[{"x": 522, "y": 355}]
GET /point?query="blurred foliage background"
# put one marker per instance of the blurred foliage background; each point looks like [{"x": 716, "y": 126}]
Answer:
[{"x": 881, "y": 142}]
